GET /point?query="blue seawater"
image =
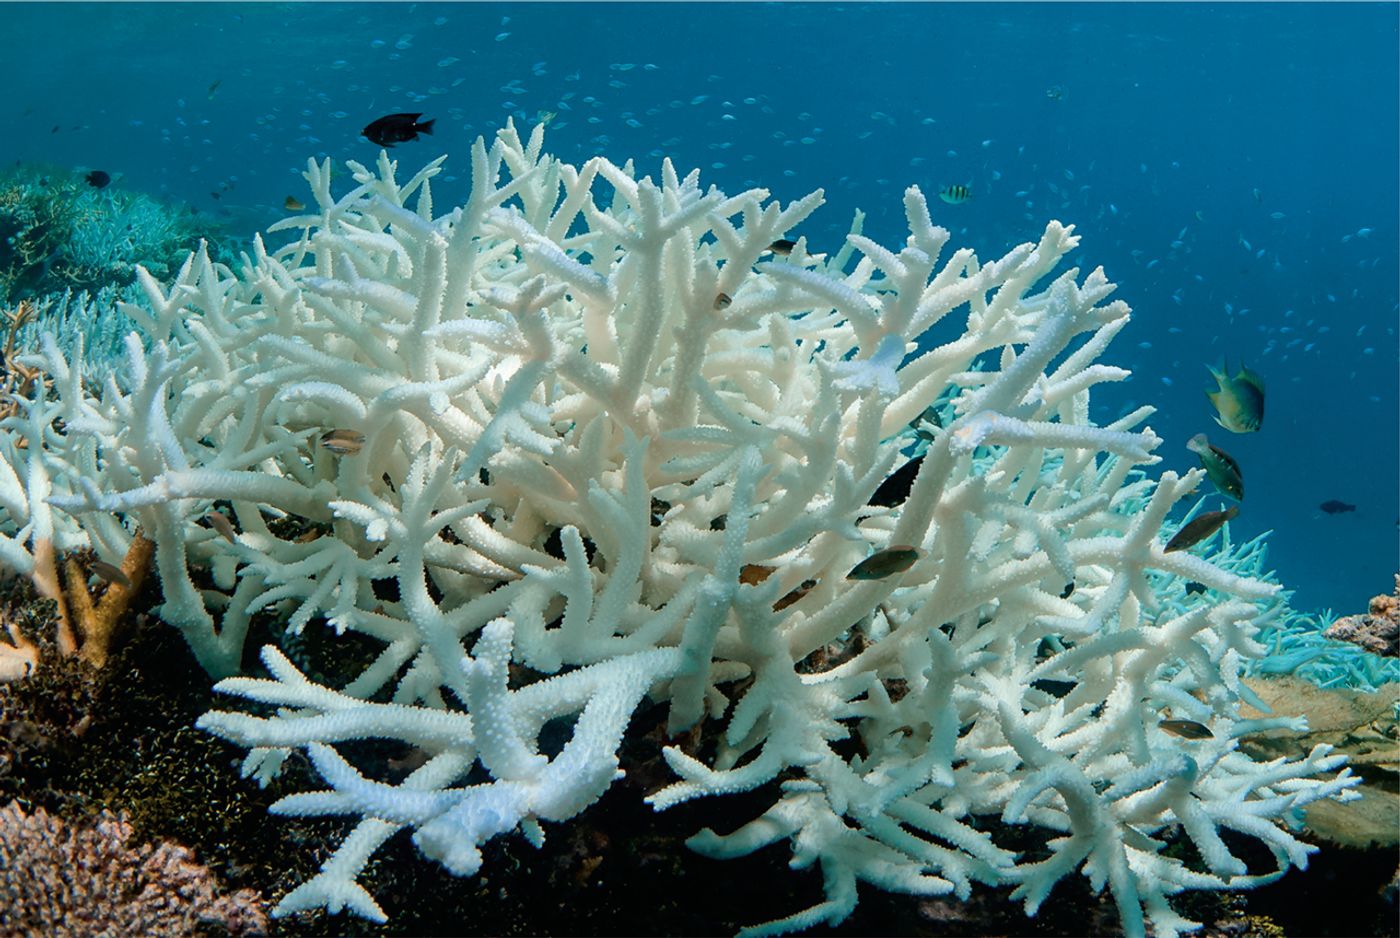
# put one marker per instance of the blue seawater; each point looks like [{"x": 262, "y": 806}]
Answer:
[{"x": 1233, "y": 167}]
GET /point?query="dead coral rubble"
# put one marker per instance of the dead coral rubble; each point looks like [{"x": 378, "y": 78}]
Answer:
[
  {"x": 61, "y": 879},
  {"x": 1378, "y": 630}
]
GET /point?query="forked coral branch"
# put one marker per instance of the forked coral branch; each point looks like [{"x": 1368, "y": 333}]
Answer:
[
  {"x": 85, "y": 628},
  {"x": 98, "y": 623}
]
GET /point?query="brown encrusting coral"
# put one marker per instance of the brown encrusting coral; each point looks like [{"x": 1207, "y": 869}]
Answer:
[
  {"x": 1378, "y": 630},
  {"x": 62, "y": 879}
]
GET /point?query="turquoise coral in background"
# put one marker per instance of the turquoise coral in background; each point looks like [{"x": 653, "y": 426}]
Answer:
[
  {"x": 59, "y": 233},
  {"x": 1294, "y": 638}
]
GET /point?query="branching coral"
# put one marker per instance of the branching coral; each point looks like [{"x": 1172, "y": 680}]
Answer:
[
  {"x": 85, "y": 627},
  {"x": 59, "y": 233},
  {"x": 94, "y": 319},
  {"x": 589, "y": 425}
]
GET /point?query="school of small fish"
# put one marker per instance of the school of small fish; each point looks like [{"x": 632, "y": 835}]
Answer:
[{"x": 625, "y": 104}]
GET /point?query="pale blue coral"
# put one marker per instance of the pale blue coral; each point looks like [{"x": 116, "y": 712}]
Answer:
[{"x": 1294, "y": 638}]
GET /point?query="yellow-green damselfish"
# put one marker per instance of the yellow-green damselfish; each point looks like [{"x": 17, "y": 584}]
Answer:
[{"x": 1238, "y": 399}]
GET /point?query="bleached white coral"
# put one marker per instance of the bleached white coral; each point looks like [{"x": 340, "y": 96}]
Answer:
[{"x": 609, "y": 437}]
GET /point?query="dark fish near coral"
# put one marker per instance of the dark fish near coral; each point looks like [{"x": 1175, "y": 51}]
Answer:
[
  {"x": 1334, "y": 507},
  {"x": 1194, "y": 588},
  {"x": 343, "y": 442},
  {"x": 955, "y": 194},
  {"x": 98, "y": 179},
  {"x": 722, "y": 301},
  {"x": 803, "y": 589},
  {"x": 884, "y": 563},
  {"x": 1219, "y": 465},
  {"x": 292, "y": 204},
  {"x": 752, "y": 574},
  {"x": 397, "y": 128},
  {"x": 1187, "y": 729},
  {"x": 926, "y": 423},
  {"x": 782, "y": 246},
  {"x": 1200, "y": 527},
  {"x": 1238, "y": 399},
  {"x": 895, "y": 489}
]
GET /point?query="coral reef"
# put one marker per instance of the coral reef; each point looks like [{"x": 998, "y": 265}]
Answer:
[
  {"x": 59, "y": 233},
  {"x": 1378, "y": 630},
  {"x": 1298, "y": 646},
  {"x": 62, "y": 879},
  {"x": 586, "y": 442},
  {"x": 92, "y": 321},
  {"x": 1296, "y": 639}
]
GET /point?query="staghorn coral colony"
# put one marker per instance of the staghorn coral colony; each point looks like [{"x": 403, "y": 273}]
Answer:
[{"x": 586, "y": 440}]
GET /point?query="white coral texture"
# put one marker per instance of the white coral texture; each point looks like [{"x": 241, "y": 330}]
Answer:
[{"x": 611, "y": 437}]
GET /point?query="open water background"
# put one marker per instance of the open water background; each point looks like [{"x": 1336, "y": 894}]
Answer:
[{"x": 1233, "y": 167}]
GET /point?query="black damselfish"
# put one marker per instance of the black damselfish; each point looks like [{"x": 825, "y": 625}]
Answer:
[
  {"x": 895, "y": 488},
  {"x": 397, "y": 128}
]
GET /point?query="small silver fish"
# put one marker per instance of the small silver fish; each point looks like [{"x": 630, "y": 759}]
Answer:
[
  {"x": 884, "y": 563},
  {"x": 1187, "y": 729},
  {"x": 343, "y": 442}
]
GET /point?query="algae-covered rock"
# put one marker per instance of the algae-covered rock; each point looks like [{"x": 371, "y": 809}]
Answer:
[{"x": 1361, "y": 724}]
